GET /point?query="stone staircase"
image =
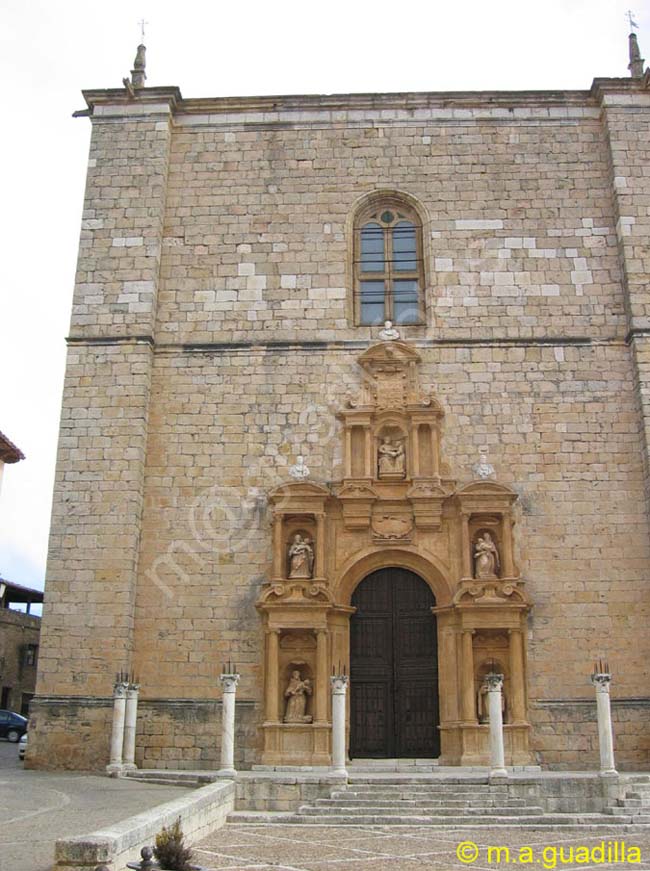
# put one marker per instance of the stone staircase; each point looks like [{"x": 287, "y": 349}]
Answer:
[
  {"x": 635, "y": 804},
  {"x": 412, "y": 800}
]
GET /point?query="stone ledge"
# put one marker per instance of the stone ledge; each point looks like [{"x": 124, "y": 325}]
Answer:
[
  {"x": 631, "y": 702},
  {"x": 201, "y": 812}
]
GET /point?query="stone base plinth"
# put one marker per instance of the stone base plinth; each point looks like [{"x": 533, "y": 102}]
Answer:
[
  {"x": 470, "y": 744},
  {"x": 297, "y": 744}
]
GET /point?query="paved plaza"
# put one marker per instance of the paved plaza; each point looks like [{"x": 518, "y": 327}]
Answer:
[
  {"x": 38, "y": 807},
  {"x": 407, "y": 848}
]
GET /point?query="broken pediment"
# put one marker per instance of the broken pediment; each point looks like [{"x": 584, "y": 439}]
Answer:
[
  {"x": 390, "y": 378},
  {"x": 491, "y": 593}
]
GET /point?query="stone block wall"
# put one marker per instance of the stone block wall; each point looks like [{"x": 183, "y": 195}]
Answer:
[
  {"x": 520, "y": 235},
  {"x": 186, "y": 734},
  {"x": 567, "y": 732},
  {"x": 213, "y": 340},
  {"x": 69, "y": 732}
]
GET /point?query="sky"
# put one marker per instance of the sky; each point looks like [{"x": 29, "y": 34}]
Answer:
[{"x": 51, "y": 50}]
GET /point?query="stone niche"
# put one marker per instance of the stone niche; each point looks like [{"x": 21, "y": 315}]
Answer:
[{"x": 396, "y": 506}]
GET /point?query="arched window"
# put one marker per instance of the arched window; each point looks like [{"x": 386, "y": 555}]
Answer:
[{"x": 388, "y": 265}]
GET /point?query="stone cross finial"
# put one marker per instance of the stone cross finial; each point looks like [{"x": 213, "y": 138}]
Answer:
[
  {"x": 635, "y": 65},
  {"x": 138, "y": 73}
]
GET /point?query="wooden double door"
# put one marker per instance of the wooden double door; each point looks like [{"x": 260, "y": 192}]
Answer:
[{"x": 393, "y": 668}]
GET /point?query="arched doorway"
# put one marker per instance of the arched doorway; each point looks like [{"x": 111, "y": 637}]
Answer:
[{"x": 393, "y": 667}]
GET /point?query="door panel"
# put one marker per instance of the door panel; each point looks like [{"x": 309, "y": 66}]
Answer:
[{"x": 393, "y": 667}]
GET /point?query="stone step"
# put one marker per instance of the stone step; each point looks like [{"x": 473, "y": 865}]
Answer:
[
  {"x": 264, "y": 817},
  {"x": 637, "y": 796},
  {"x": 173, "y": 778},
  {"x": 372, "y": 789},
  {"x": 458, "y": 798},
  {"x": 422, "y": 782},
  {"x": 624, "y": 811},
  {"x": 391, "y": 810},
  {"x": 347, "y": 801},
  {"x": 421, "y": 794},
  {"x": 577, "y": 821},
  {"x": 167, "y": 781}
]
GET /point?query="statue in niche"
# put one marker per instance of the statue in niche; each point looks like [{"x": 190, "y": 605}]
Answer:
[
  {"x": 482, "y": 704},
  {"x": 391, "y": 458},
  {"x": 486, "y": 557},
  {"x": 296, "y": 695},
  {"x": 301, "y": 557}
]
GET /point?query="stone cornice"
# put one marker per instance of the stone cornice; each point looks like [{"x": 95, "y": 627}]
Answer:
[{"x": 118, "y": 103}]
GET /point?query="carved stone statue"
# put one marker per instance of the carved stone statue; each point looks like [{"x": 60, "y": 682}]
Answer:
[
  {"x": 301, "y": 557},
  {"x": 391, "y": 458},
  {"x": 483, "y": 469},
  {"x": 296, "y": 695},
  {"x": 486, "y": 557},
  {"x": 300, "y": 470},
  {"x": 389, "y": 333}
]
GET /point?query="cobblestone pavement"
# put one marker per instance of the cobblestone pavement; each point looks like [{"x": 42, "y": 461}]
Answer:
[
  {"x": 37, "y": 807},
  {"x": 407, "y": 848}
]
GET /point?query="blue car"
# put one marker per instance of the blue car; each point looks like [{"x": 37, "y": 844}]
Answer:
[{"x": 12, "y": 726}]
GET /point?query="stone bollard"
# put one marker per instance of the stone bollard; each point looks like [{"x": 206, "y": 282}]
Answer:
[
  {"x": 115, "y": 765},
  {"x": 145, "y": 864},
  {"x": 130, "y": 721},
  {"x": 497, "y": 755},
  {"x": 229, "y": 681},
  {"x": 601, "y": 679},
  {"x": 339, "y": 685}
]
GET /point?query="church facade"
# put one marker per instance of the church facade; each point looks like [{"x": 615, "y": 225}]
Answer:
[{"x": 255, "y": 467}]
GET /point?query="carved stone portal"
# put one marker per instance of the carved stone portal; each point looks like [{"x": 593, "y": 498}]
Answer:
[{"x": 396, "y": 505}]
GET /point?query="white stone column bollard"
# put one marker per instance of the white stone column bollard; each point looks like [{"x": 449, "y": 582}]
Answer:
[
  {"x": 601, "y": 679},
  {"x": 497, "y": 755},
  {"x": 339, "y": 685},
  {"x": 115, "y": 766},
  {"x": 130, "y": 721},
  {"x": 229, "y": 681}
]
